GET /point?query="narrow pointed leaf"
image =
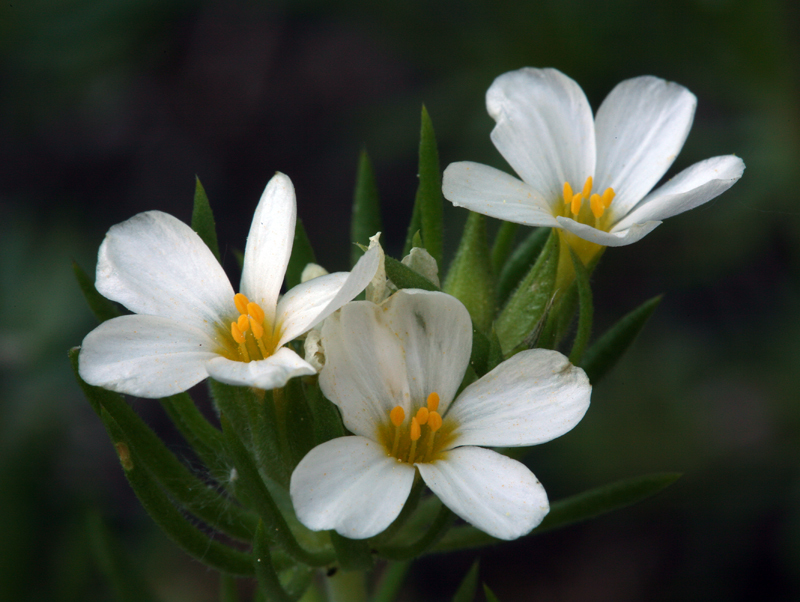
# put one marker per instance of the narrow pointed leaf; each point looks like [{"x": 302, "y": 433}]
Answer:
[
  {"x": 102, "y": 308},
  {"x": 265, "y": 572},
  {"x": 490, "y": 597},
  {"x": 413, "y": 237},
  {"x": 366, "y": 220},
  {"x": 429, "y": 192},
  {"x": 302, "y": 255},
  {"x": 503, "y": 245},
  {"x": 469, "y": 585},
  {"x": 520, "y": 262},
  {"x": 404, "y": 277},
  {"x": 203, "y": 219},
  {"x": 353, "y": 554},
  {"x": 228, "y": 591},
  {"x": 609, "y": 348},
  {"x": 299, "y": 422},
  {"x": 470, "y": 278},
  {"x": 392, "y": 581},
  {"x": 586, "y": 309},
  {"x": 327, "y": 420}
]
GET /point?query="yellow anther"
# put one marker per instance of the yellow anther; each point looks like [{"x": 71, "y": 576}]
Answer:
[
  {"x": 243, "y": 323},
  {"x": 397, "y": 415},
  {"x": 241, "y": 302},
  {"x": 567, "y": 193},
  {"x": 596, "y": 203},
  {"x": 416, "y": 432},
  {"x": 422, "y": 415},
  {"x": 608, "y": 196},
  {"x": 587, "y": 187},
  {"x": 433, "y": 402},
  {"x": 258, "y": 329},
  {"x": 434, "y": 421},
  {"x": 237, "y": 333},
  {"x": 576, "y": 203},
  {"x": 255, "y": 311}
]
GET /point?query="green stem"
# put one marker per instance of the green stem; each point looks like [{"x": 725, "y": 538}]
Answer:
[
  {"x": 347, "y": 586},
  {"x": 443, "y": 521}
]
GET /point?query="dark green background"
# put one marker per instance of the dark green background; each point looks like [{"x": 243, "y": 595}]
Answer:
[{"x": 110, "y": 107}]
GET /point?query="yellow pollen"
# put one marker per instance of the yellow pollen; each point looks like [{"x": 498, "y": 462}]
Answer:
[
  {"x": 258, "y": 329},
  {"x": 587, "y": 187},
  {"x": 576, "y": 203},
  {"x": 243, "y": 323},
  {"x": 237, "y": 333},
  {"x": 416, "y": 432},
  {"x": 422, "y": 415},
  {"x": 241, "y": 302},
  {"x": 596, "y": 203},
  {"x": 255, "y": 311},
  {"x": 397, "y": 415},
  {"x": 434, "y": 421},
  {"x": 567, "y": 193},
  {"x": 608, "y": 196},
  {"x": 433, "y": 402}
]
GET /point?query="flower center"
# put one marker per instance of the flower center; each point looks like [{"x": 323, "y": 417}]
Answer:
[
  {"x": 574, "y": 206},
  {"x": 420, "y": 439},
  {"x": 248, "y": 331}
]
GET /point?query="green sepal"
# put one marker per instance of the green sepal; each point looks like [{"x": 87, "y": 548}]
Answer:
[
  {"x": 416, "y": 241},
  {"x": 200, "y": 499},
  {"x": 585, "y": 311},
  {"x": 302, "y": 255},
  {"x": 252, "y": 487},
  {"x": 490, "y": 597},
  {"x": 495, "y": 355},
  {"x": 469, "y": 585},
  {"x": 503, "y": 245},
  {"x": 574, "y": 509},
  {"x": 441, "y": 524},
  {"x": 265, "y": 573},
  {"x": 228, "y": 590},
  {"x": 193, "y": 541},
  {"x": 102, "y": 308},
  {"x": 470, "y": 278},
  {"x": 299, "y": 422},
  {"x": 528, "y": 304},
  {"x": 429, "y": 192},
  {"x": 391, "y": 581},
  {"x": 353, "y": 554},
  {"x": 413, "y": 236},
  {"x": 515, "y": 268},
  {"x": 609, "y": 348},
  {"x": 327, "y": 420},
  {"x": 409, "y": 507},
  {"x": 366, "y": 220},
  {"x": 203, "y": 219},
  {"x": 404, "y": 277}
]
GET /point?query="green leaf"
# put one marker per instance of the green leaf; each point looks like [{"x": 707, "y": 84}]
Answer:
[
  {"x": 404, "y": 277},
  {"x": 327, "y": 421},
  {"x": 609, "y": 348},
  {"x": 528, "y": 304},
  {"x": 490, "y": 597},
  {"x": 102, "y": 308},
  {"x": 302, "y": 255},
  {"x": 366, "y": 219},
  {"x": 515, "y": 268},
  {"x": 265, "y": 572},
  {"x": 228, "y": 590},
  {"x": 470, "y": 278},
  {"x": 193, "y": 541},
  {"x": 413, "y": 237},
  {"x": 200, "y": 499},
  {"x": 441, "y": 524},
  {"x": 466, "y": 591},
  {"x": 203, "y": 219},
  {"x": 577, "y": 508},
  {"x": 299, "y": 422},
  {"x": 586, "y": 312},
  {"x": 503, "y": 244},
  {"x": 353, "y": 554},
  {"x": 392, "y": 581},
  {"x": 429, "y": 192}
]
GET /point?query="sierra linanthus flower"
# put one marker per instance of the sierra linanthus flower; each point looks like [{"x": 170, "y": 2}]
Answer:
[
  {"x": 589, "y": 178},
  {"x": 393, "y": 370},
  {"x": 188, "y": 323}
]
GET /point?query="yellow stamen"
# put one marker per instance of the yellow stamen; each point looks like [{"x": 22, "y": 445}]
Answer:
[
  {"x": 258, "y": 329},
  {"x": 433, "y": 402},
  {"x": 255, "y": 311},
  {"x": 422, "y": 415},
  {"x": 596, "y": 203},
  {"x": 416, "y": 433},
  {"x": 241, "y": 302},
  {"x": 243, "y": 323},
  {"x": 397, "y": 416},
  {"x": 239, "y": 337},
  {"x": 576, "y": 203},
  {"x": 587, "y": 187},
  {"x": 567, "y": 193},
  {"x": 608, "y": 196},
  {"x": 434, "y": 424}
]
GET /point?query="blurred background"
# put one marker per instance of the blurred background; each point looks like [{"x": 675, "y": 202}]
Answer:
[{"x": 111, "y": 107}]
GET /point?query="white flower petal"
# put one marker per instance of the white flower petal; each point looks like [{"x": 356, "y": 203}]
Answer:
[
  {"x": 271, "y": 373},
  {"x": 269, "y": 244},
  {"x": 694, "y": 186},
  {"x": 155, "y": 264},
  {"x": 615, "y": 238},
  {"x": 544, "y": 128},
  {"x": 307, "y": 304},
  {"x": 349, "y": 484},
  {"x": 640, "y": 127},
  {"x": 489, "y": 191},
  {"x": 146, "y": 356},
  {"x": 533, "y": 397},
  {"x": 496, "y": 494},
  {"x": 397, "y": 353}
]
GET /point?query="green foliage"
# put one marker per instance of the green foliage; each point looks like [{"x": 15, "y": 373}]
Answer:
[
  {"x": 490, "y": 597},
  {"x": 203, "y": 219},
  {"x": 392, "y": 580},
  {"x": 469, "y": 585},
  {"x": 514, "y": 268},
  {"x": 366, "y": 219},
  {"x": 404, "y": 277},
  {"x": 438, "y": 528},
  {"x": 609, "y": 348},
  {"x": 352, "y": 554},
  {"x": 586, "y": 312},
  {"x": 265, "y": 572},
  {"x": 503, "y": 245},
  {"x": 102, "y": 308},
  {"x": 302, "y": 255},
  {"x": 429, "y": 193},
  {"x": 228, "y": 590},
  {"x": 299, "y": 422}
]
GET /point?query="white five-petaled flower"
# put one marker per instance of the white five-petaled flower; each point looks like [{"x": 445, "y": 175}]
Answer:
[
  {"x": 592, "y": 178},
  {"x": 394, "y": 370},
  {"x": 188, "y": 324}
]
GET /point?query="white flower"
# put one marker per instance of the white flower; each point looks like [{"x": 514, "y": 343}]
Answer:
[
  {"x": 393, "y": 369},
  {"x": 189, "y": 324},
  {"x": 589, "y": 177}
]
